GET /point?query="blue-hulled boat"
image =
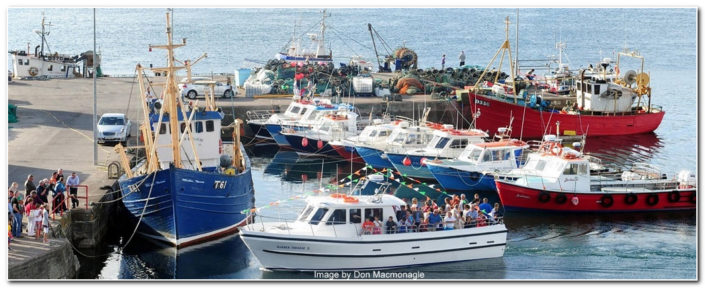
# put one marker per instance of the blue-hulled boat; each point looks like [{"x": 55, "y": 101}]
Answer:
[
  {"x": 447, "y": 143},
  {"x": 301, "y": 115},
  {"x": 333, "y": 126},
  {"x": 189, "y": 188},
  {"x": 402, "y": 138},
  {"x": 475, "y": 168}
]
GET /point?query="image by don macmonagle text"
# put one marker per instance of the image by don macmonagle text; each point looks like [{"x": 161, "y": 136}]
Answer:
[{"x": 367, "y": 275}]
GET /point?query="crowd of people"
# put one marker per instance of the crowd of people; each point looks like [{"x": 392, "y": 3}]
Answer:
[
  {"x": 456, "y": 213},
  {"x": 33, "y": 203}
]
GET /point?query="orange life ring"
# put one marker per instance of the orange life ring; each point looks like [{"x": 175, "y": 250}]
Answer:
[
  {"x": 338, "y": 195},
  {"x": 350, "y": 200}
]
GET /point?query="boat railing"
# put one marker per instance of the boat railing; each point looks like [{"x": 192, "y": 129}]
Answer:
[
  {"x": 258, "y": 114},
  {"x": 360, "y": 231}
]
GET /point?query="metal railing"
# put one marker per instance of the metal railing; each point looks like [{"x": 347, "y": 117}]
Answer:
[
  {"x": 258, "y": 114},
  {"x": 359, "y": 230},
  {"x": 67, "y": 197}
]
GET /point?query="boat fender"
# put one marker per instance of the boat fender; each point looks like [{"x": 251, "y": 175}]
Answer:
[
  {"x": 575, "y": 200},
  {"x": 230, "y": 171},
  {"x": 652, "y": 199},
  {"x": 33, "y": 71},
  {"x": 630, "y": 199},
  {"x": 561, "y": 198},
  {"x": 544, "y": 197},
  {"x": 674, "y": 196},
  {"x": 319, "y": 144},
  {"x": 692, "y": 197},
  {"x": 304, "y": 142},
  {"x": 606, "y": 201}
]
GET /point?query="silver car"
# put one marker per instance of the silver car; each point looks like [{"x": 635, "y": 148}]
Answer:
[
  {"x": 113, "y": 127},
  {"x": 199, "y": 86}
]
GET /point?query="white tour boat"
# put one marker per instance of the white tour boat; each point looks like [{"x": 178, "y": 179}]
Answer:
[{"x": 328, "y": 235}]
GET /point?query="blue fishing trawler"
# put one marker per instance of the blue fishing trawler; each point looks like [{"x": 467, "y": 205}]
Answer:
[{"x": 190, "y": 188}]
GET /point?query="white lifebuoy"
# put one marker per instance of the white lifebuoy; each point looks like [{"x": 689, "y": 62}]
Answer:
[
  {"x": 33, "y": 71},
  {"x": 575, "y": 200}
]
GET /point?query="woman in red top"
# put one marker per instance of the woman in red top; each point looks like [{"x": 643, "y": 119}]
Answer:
[{"x": 368, "y": 226}]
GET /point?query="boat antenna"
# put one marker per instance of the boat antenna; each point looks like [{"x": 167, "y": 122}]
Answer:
[{"x": 516, "y": 49}]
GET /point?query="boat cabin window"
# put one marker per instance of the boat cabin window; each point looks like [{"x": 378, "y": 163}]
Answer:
[
  {"x": 19, "y": 62},
  {"x": 303, "y": 111},
  {"x": 63, "y": 68},
  {"x": 162, "y": 129},
  {"x": 459, "y": 143},
  {"x": 337, "y": 217},
  {"x": 26, "y": 62},
  {"x": 183, "y": 127},
  {"x": 411, "y": 139},
  {"x": 372, "y": 133},
  {"x": 400, "y": 138},
  {"x": 570, "y": 169},
  {"x": 307, "y": 211},
  {"x": 199, "y": 126},
  {"x": 475, "y": 154},
  {"x": 597, "y": 89},
  {"x": 583, "y": 169},
  {"x": 383, "y": 133},
  {"x": 371, "y": 213},
  {"x": 442, "y": 142},
  {"x": 51, "y": 68},
  {"x": 316, "y": 218},
  {"x": 210, "y": 126},
  {"x": 356, "y": 216},
  {"x": 295, "y": 109}
]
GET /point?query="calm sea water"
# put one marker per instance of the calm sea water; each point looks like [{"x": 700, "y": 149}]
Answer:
[{"x": 540, "y": 246}]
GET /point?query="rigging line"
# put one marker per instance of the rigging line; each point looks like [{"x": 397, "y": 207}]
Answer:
[
  {"x": 302, "y": 34},
  {"x": 144, "y": 209},
  {"x": 384, "y": 43},
  {"x": 129, "y": 99},
  {"x": 358, "y": 42}
]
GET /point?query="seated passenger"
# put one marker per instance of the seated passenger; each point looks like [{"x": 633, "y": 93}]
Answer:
[
  {"x": 423, "y": 227},
  {"x": 368, "y": 226},
  {"x": 378, "y": 226},
  {"x": 391, "y": 225},
  {"x": 409, "y": 222},
  {"x": 434, "y": 220},
  {"x": 469, "y": 222},
  {"x": 449, "y": 221}
]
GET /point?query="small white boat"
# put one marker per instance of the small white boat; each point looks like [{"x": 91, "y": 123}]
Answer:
[
  {"x": 328, "y": 235},
  {"x": 447, "y": 143}
]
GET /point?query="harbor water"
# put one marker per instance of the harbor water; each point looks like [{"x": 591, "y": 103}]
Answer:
[{"x": 539, "y": 245}]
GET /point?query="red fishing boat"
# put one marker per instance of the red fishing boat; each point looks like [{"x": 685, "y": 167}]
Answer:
[
  {"x": 561, "y": 179},
  {"x": 603, "y": 102}
]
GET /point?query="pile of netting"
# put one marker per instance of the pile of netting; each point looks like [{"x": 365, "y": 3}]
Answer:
[
  {"x": 439, "y": 81},
  {"x": 280, "y": 75}
]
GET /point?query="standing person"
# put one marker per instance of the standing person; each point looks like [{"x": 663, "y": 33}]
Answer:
[
  {"x": 391, "y": 225},
  {"x": 29, "y": 185},
  {"x": 43, "y": 191},
  {"x": 14, "y": 188},
  {"x": 443, "y": 62},
  {"x": 59, "y": 195},
  {"x": 11, "y": 212},
  {"x": 476, "y": 200},
  {"x": 73, "y": 182},
  {"x": 38, "y": 219},
  {"x": 17, "y": 213},
  {"x": 45, "y": 222},
  {"x": 462, "y": 57},
  {"x": 28, "y": 207},
  {"x": 485, "y": 207},
  {"x": 60, "y": 174}
]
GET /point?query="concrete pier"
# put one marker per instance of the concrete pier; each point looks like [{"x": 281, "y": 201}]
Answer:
[{"x": 55, "y": 131}]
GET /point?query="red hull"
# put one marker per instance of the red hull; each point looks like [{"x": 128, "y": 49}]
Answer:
[
  {"x": 495, "y": 113},
  {"x": 515, "y": 197},
  {"x": 347, "y": 155}
]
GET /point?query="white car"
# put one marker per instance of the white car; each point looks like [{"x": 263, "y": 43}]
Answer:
[
  {"x": 200, "y": 85},
  {"x": 113, "y": 127}
]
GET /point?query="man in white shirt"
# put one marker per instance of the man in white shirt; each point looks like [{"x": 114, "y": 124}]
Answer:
[{"x": 73, "y": 182}]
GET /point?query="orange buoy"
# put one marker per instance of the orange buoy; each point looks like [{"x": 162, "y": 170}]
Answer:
[
  {"x": 350, "y": 200},
  {"x": 575, "y": 200},
  {"x": 406, "y": 161},
  {"x": 304, "y": 142},
  {"x": 320, "y": 144}
]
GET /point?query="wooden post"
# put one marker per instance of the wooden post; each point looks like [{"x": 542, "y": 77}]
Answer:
[
  {"x": 237, "y": 153},
  {"x": 123, "y": 159}
]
